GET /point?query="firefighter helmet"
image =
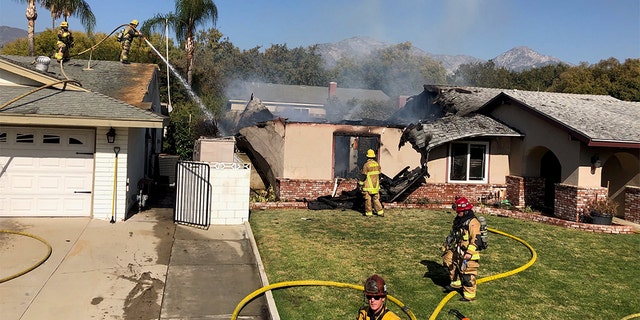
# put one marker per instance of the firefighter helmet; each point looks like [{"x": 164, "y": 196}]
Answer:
[
  {"x": 64, "y": 24},
  {"x": 375, "y": 286},
  {"x": 134, "y": 22},
  {"x": 462, "y": 204},
  {"x": 371, "y": 153}
]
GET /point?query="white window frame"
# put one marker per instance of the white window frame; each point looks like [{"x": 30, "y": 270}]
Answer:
[{"x": 485, "y": 159}]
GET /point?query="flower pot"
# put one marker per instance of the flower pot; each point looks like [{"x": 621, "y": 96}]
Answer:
[{"x": 599, "y": 218}]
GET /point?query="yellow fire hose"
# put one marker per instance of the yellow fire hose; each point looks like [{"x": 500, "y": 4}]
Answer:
[
  {"x": 534, "y": 256},
  {"x": 49, "y": 249},
  {"x": 406, "y": 310},
  {"x": 298, "y": 283}
]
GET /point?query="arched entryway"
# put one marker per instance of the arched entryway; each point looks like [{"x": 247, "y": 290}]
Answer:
[
  {"x": 618, "y": 171},
  {"x": 550, "y": 171}
]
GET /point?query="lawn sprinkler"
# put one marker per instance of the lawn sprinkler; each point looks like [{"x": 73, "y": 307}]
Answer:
[{"x": 458, "y": 314}]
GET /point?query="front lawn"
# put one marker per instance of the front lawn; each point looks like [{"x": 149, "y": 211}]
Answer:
[{"x": 577, "y": 275}]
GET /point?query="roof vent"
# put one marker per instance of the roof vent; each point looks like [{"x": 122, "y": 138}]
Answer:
[{"x": 42, "y": 63}]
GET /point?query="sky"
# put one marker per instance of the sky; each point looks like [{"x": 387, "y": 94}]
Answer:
[{"x": 573, "y": 31}]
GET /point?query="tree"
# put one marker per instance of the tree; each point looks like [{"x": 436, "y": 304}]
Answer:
[
  {"x": 67, "y": 8},
  {"x": 188, "y": 15},
  {"x": 32, "y": 15}
]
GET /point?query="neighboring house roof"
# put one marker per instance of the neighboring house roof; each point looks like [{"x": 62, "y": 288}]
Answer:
[
  {"x": 128, "y": 83},
  {"x": 312, "y": 95},
  {"x": 594, "y": 119},
  {"x": 72, "y": 107}
]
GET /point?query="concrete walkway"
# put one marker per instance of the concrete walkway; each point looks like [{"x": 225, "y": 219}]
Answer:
[{"x": 146, "y": 267}]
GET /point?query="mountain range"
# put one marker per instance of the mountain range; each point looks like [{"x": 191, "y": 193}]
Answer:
[{"x": 516, "y": 59}]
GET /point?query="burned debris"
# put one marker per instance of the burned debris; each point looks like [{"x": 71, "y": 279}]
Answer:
[{"x": 394, "y": 189}]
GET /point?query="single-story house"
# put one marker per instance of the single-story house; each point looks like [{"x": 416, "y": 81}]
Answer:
[
  {"x": 549, "y": 151},
  {"x": 76, "y": 140},
  {"x": 295, "y": 102}
]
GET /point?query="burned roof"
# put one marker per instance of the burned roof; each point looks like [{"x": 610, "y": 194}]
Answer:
[{"x": 128, "y": 83}]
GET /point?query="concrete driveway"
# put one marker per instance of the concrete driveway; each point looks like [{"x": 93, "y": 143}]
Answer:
[{"x": 146, "y": 267}]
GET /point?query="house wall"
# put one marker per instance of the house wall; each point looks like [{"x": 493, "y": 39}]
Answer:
[
  {"x": 103, "y": 187},
  {"x": 308, "y": 150},
  {"x": 136, "y": 159},
  {"x": 540, "y": 133}
]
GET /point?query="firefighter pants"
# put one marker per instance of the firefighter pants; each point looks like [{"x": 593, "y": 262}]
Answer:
[
  {"x": 462, "y": 275},
  {"x": 126, "y": 46},
  {"x": 371, "y": 202}
]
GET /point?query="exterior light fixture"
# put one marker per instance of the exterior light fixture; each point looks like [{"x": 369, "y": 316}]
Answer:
[{"x": 111, "y": 135}]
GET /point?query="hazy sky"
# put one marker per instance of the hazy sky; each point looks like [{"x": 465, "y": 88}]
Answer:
[{"x": 572, "y": 30}]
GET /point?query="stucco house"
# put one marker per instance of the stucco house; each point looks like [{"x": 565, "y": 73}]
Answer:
[
  {"x": 75, "y": 141},
  {"x": 549, "y": 151}
]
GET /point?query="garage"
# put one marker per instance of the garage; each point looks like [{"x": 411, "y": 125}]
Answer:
[{"x": 46, "y": 171}]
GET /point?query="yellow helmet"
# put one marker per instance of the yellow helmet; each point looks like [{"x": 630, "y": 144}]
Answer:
[
  {"x": 134, "y": 22},
  {"x": 371, "y": 153},
  {"x": 63, "y": 24}
]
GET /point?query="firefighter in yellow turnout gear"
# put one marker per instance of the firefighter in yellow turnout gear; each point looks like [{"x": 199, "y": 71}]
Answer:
[
  {"x": 65, "y": 42},
  {"x": 375, "y": 295},
  {"x": 371, "y": 185},
  {"x": 460, "y": 256},
  {"x": 128, "y": 35}
]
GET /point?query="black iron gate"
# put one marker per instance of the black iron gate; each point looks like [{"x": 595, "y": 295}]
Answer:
[{"x": 193, "y": 194}]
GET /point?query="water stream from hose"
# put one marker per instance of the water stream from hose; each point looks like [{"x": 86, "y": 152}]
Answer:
[{"x": 186, "y": 85}]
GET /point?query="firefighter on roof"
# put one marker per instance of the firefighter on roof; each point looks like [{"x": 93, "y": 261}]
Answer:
[
  {"x": 460, "y": 250},
  {"x": 128, "y": 35},
  {"x": 65, "y": 42},
  {"x": 371, "y": 185}
]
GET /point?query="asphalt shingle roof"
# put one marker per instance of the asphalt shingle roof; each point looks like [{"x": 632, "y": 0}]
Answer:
[
  {"x": 127, "y": 83},
  {"x": 65, "y": 103},
  {"x": 596, "y": 117},
  {"x": 269, "y": 92}
]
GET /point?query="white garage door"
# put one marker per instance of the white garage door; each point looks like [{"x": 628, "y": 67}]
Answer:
[{"x": 46, "y": 171}]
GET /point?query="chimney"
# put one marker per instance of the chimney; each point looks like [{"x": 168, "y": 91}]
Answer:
[
  {"x": 402, "y": 100},
  {"x": 332, "y": 89}
]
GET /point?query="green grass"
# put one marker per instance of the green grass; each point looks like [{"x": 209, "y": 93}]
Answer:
[{"x": 578, "y": 274}]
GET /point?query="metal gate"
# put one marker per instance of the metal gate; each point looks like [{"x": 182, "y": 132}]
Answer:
[{"x": 193, "y": 194}]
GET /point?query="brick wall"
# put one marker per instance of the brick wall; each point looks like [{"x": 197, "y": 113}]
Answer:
[
  {"x": 533, "y": 192},
  {"x": 571, "y": 201},
  {"x": 515, "y": 191},
  {"x": 298, "y": 190},
  {"x": 632, "y": 204}
]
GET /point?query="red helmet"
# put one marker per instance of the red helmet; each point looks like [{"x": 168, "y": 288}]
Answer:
[
  {"x": 462, "y": 204},
  {"x": 375, "y": 286}
]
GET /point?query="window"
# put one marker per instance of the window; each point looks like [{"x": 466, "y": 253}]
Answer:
[
  {"x": 468, "y": 162},
  {"x": 351, "y": 153},
  {"x": 24, "y": 138},
  {"x": 3, "y": 137},
  {"x": 50, "y": 139}
]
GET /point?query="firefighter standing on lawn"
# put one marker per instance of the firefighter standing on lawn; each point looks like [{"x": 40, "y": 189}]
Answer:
[
  {"x": 375, "y": 294},
  {"x": 130, "y": 32},
  {"x": 371, "y": 186},
  {"x": 461, "y": 255},
  {"x": 65, "y": 42}
]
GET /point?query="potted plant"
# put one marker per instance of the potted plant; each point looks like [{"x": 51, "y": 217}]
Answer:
[{"x": 602, "y": 210}]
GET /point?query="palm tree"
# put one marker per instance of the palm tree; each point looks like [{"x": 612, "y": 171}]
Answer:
[
  {"x": 66, "y": 8},
  {"x": 32, "y": 15},
  {"x": 188, "y": 15}
]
